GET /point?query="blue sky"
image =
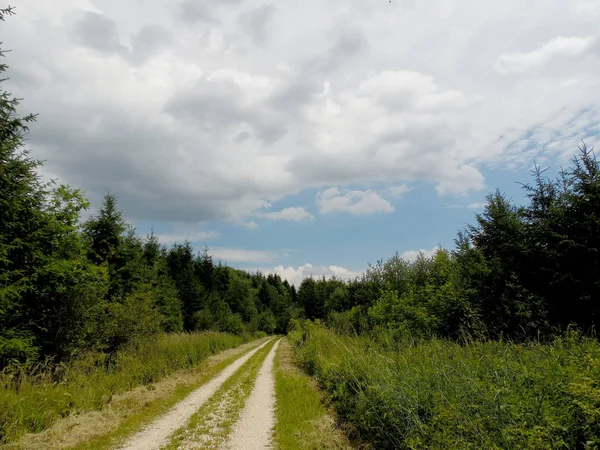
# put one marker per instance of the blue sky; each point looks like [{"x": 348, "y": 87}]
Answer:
[
  {"x": 305, "y": 137},
  {"x": 421, "y": 220}
]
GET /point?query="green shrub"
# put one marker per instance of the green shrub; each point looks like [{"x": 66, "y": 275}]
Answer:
[{"x": 439, "y": 394}]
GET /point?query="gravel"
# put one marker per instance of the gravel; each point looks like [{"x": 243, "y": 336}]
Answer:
[
  {"x": 157, "y": 433},
  {"x": 255, "y": 427}
]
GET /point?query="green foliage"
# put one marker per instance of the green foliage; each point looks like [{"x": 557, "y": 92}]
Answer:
[
  {"x": 267, "y": 322},
  {"x": 563, "y": 242},
  {"x": 105, "y": 231},
  {"x": 439, "y": 394},
  {"x": 234, "y": 325},
  {"x": 22, "y": 225},
  {"x": 34, "y": 395},
  {"x": 405, "y": 316},
  {"x": 518, "y": 273}
]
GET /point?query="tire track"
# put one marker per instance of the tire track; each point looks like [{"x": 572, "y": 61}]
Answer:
[
  {"x": 254, "y": 429},
  {"x": 157, "y": 433}
]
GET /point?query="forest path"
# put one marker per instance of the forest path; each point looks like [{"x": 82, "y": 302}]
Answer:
[
  {"x": 254, "y": 429},
  {"x": 156, "y": 434}
]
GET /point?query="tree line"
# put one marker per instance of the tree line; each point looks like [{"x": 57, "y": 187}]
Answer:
[
  {"x": 518, "y": 272},
  {"x": 69, "y": 286}
]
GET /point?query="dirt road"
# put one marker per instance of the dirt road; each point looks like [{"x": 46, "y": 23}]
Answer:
[
  {"x": 254, "y": 428},
  {"x": 156, "y": 434}
]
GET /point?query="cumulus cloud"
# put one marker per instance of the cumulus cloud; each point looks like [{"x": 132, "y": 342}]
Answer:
[
  {"x": 203, "y": 111},
  {"x": 295, "y": 275},
  {"x": 398, "y": 191},
  {"x": 99, "y": 32},
  {"x": 256, "y": 21},
  {"x": 294, "y": 214},
  {"x": 411, "y": 255},
  {"x": 556, "y": 47},
  {"x": 353, "y": 202}
]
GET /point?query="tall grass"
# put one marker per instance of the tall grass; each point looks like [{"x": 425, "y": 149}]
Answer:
[
  {"x": 33, "y": 397},
  {"x": 303, "y": 422},
  {"x": 442, "y": 395}
]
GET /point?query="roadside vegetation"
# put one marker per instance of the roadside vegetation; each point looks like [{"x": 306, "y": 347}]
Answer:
[
  {"x": 303, "y": 422},
  {"x": 34, "y": 398},
  {"x": 491, "y": 344},
  {"x": 441, "y": 394},
  {"x": 126, "y": 413}
]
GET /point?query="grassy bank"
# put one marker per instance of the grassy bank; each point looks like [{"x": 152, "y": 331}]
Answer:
[
  {"x": 440, "y": 394},
  {"x": 34, "y": 398},
  {"x": 303, "y": 422}
]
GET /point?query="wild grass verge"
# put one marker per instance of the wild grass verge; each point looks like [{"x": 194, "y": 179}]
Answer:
[
  {"x": 442, "y": 395},
  {"x": 210, "y": 426},
  {"x": 303, "y": 422},
  {"x": 130, "y": 411},
  {"x": 34, "y": 398}
]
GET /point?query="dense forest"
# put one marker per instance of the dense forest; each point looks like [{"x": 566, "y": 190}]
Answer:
[
  {"x": 519, "y": 272},
  {"x": 489, "y": 345},
  {"x": 69, "y": 286}
]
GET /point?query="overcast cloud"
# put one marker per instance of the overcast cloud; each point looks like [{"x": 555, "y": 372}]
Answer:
[{"x": 224, "y": 107}]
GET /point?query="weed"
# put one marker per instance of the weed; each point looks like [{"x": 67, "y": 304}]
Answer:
[
  {"x": 303, "y": 422},
  {"x": 46, "y": 393},
  {"x": 439, "y": 394}
]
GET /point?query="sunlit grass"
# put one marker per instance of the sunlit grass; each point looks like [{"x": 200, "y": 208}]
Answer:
[
  {"x": 303, "y": 422},
  {"x": 440, "y": 394},
  {"x": 32, "y": 399}
]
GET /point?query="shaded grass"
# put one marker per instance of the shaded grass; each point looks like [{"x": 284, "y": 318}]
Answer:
[
  {"x": 210, "y": 426},
  {"x": 442, "y": 395},
  {"x": 303, "y": 422},
  {"x": 33, "y": 399}
]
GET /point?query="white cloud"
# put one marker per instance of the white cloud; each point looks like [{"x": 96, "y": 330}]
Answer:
[
  {"x": 295, "y": 214},
  {"x": 411, "y": 255},
  {"x": 585, "y": 9},
  {"x": 353, "y": 202},
  {"x": 236, "y": 255},
  {"x": 251, "y": 225},
  {"x": 477, "y": 205},
  {"x": 556, "y": 47},
  {"x": 193, "y": 112},
  {"x": 398, "y": 191},
  {"x": 295, "y": 275}
]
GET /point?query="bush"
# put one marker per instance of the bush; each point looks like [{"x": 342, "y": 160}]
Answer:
[
  {"x": 440, "y": 394},
  {"x": 267, "y": 322},
  {"x": 234, "y": 325}
]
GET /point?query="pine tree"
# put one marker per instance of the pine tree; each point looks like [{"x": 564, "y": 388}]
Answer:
[{"x": 22, "y": 196}]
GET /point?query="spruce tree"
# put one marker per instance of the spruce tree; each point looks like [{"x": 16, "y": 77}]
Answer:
[{"x": 22, "y": 195}]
